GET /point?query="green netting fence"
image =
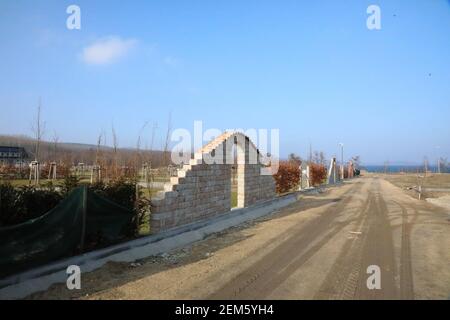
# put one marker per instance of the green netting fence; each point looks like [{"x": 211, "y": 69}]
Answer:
[{"x": 63, "y": 231}]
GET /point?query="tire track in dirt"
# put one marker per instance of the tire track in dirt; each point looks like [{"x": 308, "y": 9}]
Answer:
[
  {"x": 379, "y": 251},
  {"x": 347, "y": 277},
  {"x": 264, "y": 276},
  {"x": 406, "y": 276},
  {"x": 342, "y": 279}
]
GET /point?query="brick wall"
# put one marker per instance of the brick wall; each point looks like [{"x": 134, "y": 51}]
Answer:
[{"x": 202, "y": 188}]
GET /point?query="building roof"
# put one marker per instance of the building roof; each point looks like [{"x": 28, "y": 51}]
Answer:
[
  {"x": 8, "y": 149},
  {"x": 11, "y": 149}
]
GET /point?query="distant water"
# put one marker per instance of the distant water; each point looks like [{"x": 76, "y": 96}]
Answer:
[{"x": 399, "y": 168}]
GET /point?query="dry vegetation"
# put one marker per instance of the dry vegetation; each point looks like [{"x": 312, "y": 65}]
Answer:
[
  {"x": 74, "y": 153},
  {"x": 410, "y": 182}
]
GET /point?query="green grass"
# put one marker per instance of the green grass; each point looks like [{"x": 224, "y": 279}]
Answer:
[
  {"x": 234, "y": 199},
  {"x": 149, "y": 192},
  {"x": 25, "y": 182}
]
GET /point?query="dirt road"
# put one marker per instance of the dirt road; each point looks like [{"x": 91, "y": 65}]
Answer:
[{"x": 318, "y": 248}]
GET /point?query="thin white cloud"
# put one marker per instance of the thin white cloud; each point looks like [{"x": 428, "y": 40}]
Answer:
[
  {"x": 171, "y": 61},
  {"x": 107, "y": 50}
]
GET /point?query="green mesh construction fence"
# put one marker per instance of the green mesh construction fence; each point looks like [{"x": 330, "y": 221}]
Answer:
[{"x": 62, "y": 231}]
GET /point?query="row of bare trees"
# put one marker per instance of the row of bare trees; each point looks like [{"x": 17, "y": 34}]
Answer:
[
  {"x": 116, "y": 161},
  {"x": 316, "y": 157},
  {"x": 103, "y": 154}
]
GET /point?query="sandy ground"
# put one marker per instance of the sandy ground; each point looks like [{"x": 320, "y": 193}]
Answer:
[
  {"x": 443, "y": 202},
  {"x": 317, "y": 248},
  {"x": 434, "y": 185}
]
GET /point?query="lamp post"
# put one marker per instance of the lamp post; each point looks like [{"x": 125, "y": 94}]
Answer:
[
  {"x": 342, "y": 159},
  {"x": 438, "y": 160}
]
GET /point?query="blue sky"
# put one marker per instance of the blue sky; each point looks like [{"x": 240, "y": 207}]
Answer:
[{"x": 309, "y": 68}]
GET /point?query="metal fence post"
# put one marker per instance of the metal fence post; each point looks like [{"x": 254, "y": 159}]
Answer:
[
  {"x": 136, "y": 208},
  {"x": 83, "y": 217}
]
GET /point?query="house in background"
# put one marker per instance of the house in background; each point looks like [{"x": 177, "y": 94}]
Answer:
[{"x": 16, "y": 156}]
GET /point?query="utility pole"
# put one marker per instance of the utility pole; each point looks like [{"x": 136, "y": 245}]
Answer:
[
  {"x": 438, "y": 160},
  {"x": 342, "y": 159},
  {"x": 310, "y": 153},
  {"x": 425, "y": 163}
]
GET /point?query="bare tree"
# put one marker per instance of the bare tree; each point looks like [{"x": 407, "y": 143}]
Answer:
[
  {"x": 115, "y": 145},
  {"x": 322, "y": 158},
  {"x": 295, "y": 159},
  {"x": 96, "y": 173},
  {"x": 38, "y": 128},
  {"x": 166, "y": 144},
  {"x": 152, "y": 140},
  {"x": 356, "y": 161},
  {"x": 316, "y": 157},
  {"x": 138, "y": 147},
  {"x": 55, "y": 144},
  {"x": 99, "y": 144}
]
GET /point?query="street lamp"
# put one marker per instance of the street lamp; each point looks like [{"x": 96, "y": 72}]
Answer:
[{"x": 342, "y": 159}]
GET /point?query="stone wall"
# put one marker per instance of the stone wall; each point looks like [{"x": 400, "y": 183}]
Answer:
[
  {"x": 350, "y": 170},
  {"x": 202, "y": 188},
  {"x": 333, "y": 172},
  {"x": 304, "y": 176}
]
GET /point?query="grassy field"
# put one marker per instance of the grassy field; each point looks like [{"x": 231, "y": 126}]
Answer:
[
  {"x": 406, "y": 181},
  {"x": 43, "y": 182},
  {"x": 25, "y": 182}
]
